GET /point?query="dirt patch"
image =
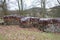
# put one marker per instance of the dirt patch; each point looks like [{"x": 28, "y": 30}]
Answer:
[
  {"x": 15, "y": 32},
  {"x": 4, "y": 29}
]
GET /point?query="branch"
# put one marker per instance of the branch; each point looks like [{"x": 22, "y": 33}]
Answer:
[{"x": 58, "y": 1}]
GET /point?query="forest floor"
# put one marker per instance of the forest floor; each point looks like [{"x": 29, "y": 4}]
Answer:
[{"x": 14, "y": 32}]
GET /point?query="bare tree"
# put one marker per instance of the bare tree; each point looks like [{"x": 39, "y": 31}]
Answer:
[
  {"x": 4, "y": 7},
  {"x": 18, "y": 5},
  {"x": 22, "y": 5},
  {"x": 43, "y": 7}
]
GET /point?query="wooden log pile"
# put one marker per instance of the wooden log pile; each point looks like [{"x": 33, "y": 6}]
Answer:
[{"x": 41, "y": 23}]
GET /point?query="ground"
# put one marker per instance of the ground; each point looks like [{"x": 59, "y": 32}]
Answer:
[{"x": 14, "y": 32}]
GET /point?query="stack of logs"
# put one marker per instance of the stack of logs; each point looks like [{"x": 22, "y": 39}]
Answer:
[{"x": 40, "y": 23}]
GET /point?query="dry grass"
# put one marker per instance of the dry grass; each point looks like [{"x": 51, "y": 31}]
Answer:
[{"x": 17, "y": 33}]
